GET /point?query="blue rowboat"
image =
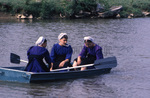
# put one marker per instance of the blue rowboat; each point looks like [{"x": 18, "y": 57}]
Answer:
[{"x": 17, "y": 74}]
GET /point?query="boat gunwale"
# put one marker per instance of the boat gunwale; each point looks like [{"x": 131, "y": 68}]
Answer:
[
  {"x": 51, "y": 72},
  {"x": 9, "y": 69}
]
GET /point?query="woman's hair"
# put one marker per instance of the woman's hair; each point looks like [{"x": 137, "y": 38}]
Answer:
[
  {"x": 87, "y": 41},
  {"x": 65, "y": 36},
  {"x": 45, "y": 41}
]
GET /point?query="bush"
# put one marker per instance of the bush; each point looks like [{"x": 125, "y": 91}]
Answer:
[
  {"x": 124, "y": 14},
  {"x": 34, "y": 9},
  {"x": 5, "y": 7},
  {"x": 137, "y": 12},
  {"x": 49, "y": 9},
  {"x": 66, "y": 8},
  {"x": 143, "y": 6},
  {"x": 131, "y": 10}
]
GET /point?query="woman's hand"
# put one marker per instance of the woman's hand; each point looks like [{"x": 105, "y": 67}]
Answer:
[
  {"x": 51, "y": 67},
  {"x": 79, "y": 61},
  {"x": 62, "y": 64}
]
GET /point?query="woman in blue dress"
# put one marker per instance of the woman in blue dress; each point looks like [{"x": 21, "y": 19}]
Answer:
[
  {"x": 89, "y": 53},
  {"x": 61, "y": 53},
  {"x": 36, "y": 54}
]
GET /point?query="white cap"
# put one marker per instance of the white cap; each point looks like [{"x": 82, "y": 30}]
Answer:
[
  {"x": 40, "y": 41},
  {"x": 89, "y": 38},
  {"x": 61, "y": 35}
]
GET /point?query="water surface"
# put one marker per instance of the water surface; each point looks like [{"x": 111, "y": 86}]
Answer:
[{"x": 127, "y": 39}]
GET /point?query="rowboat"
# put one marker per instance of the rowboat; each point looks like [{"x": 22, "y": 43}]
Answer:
[{"x": 17, "y": 74}]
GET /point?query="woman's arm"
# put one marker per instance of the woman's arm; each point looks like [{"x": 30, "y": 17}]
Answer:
[
  {"x": 79, "y": 60},
  {"x": 51, "y": 67},
  {"x": 52, "y": 55},
  {"x": 69, "y": 54},
  {"x": 63, "y": 62},
  {"x": 83, "y": 53},
  {"x": 99, "y": 54}
]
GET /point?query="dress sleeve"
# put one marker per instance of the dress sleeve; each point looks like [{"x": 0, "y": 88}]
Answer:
[
  {"x": 47, "y": 57},
  {"x": 52, "y": 55},
  {"x": 83, "y": 53},
  {"x": 28, "y": 52},
  {"x": 99, "y": 54},
  {"x": 69, "y": 53}
]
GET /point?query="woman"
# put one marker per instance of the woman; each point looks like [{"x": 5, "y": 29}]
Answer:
[
  {"x": 36, "y": 54},
  {"x": 61, "y": 53},
  {"x": 89, "y": 53}
]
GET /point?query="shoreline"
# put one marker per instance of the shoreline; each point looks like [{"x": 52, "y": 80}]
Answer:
[{"x": 6, "y": 15}]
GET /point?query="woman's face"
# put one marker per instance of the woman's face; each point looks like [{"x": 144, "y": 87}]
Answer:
[
  {"x": 44, "y": 44},
  {"x": 63, "y": 41},
  {"x": 89, "y": 44}
]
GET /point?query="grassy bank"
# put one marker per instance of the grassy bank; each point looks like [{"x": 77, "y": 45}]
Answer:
[
  {"x": 131, "y": 6},
  {"x": 68, "y": 8}
]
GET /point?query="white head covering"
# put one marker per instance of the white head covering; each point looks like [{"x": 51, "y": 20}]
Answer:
[
  {"x": 61, "y": 35},
  {"x": 40, "y": 41},
  {"x": 89, "y": 38}
]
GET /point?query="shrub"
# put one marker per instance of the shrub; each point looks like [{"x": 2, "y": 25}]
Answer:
[
  {"x": 124, "y": 14},
  {"x": 48, "y": 9},
  {"x": 33, "y": 8},
  {"x": 137, "y": 12},
  {"x": 5, "y": 7},
  {"x": 142, "y": 5}
]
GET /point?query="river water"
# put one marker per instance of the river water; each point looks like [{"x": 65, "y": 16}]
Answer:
[{"x": 127, "y": 39}]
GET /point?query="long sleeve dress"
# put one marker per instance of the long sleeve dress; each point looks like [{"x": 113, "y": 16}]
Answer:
[
  {"x": 60, "y": 53},
  {"x": 89, "y": 55},
  {"x": 36, "y": 54}
]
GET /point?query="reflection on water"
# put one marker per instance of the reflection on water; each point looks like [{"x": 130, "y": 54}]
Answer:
[
  {"x": 68, "y": 88},
  {"x": 127, "y": 39}
]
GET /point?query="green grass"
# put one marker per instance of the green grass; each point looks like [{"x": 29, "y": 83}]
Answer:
[
  {"x": 142, "y": 4},
  {"x": 131, "y": 6}
]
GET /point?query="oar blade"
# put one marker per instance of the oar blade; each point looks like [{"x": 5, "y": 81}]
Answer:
[
  {"x": 14, "y": 58},
  {"x": 109, "y": 62}
]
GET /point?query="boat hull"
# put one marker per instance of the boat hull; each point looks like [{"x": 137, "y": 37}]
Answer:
[
  {"x": 67, "y": 75},
  {"x": 16, "y": 74}
]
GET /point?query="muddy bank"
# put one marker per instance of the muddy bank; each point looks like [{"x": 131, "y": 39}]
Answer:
[{"x": 4, "y": 15}]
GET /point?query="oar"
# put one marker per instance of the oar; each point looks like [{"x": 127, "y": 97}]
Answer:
[
  {"x": 109, "y": 62},
  {"x": 16, "y": 59}
]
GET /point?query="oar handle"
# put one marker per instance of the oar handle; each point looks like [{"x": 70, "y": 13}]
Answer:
[
  {"x": 24, "y": 61},
  {"x": 73, "y": 67}
]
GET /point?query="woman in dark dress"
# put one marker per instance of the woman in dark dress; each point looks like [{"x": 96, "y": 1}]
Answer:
[
  {"x": 36, "y": 54},
  {"x": 61, "y": 53},
  {"x": 89, "y": 53}
]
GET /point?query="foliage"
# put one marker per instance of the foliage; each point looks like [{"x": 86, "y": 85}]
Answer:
[
  {"x": 49, "y": 8},
  {"x": 130, "y": 10},
  {"x": 142, "y": 5},
  {"x": 33, "y": 8}
]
